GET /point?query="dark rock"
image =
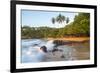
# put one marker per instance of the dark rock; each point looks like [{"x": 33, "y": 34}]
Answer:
[{"x": 62, "y": 56}]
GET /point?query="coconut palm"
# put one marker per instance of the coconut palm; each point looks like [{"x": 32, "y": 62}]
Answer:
[
  {"x": 53, "y": 20},
  {"x": 60, "y": 18},
  {"x": 67, "y": 20}
]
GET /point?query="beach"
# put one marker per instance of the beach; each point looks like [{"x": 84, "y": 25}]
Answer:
[
  {"x": 72, "y": 49},
  {"x": 70, "y": 38},
  {"x": 81, "y": 48}
]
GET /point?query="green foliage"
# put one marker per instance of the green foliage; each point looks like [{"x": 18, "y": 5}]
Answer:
[
  {"x": 67, "y": 20},
  {"x": 53, "y": 20},
  {"x": 60, "y": 18},
  {"x": 82, "y": 22},
  {"x": 79, "y": 27}
]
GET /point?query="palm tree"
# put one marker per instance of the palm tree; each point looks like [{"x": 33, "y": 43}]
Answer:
[
  {"x": 60, "y": 18},
  {"x": 67, "y": 20},
  {"x": 53, "y": 20}
]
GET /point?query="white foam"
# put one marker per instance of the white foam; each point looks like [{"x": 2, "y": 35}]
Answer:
[{"x": 50, "y": 45}]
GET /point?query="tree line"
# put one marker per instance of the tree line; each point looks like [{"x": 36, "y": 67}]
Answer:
[{"x": 79, "y": 27}]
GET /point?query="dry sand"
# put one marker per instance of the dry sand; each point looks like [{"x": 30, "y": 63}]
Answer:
[{"x": 71, "y": 38}]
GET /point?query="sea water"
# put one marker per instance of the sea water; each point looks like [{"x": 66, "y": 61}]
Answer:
[{"x": 30, "y": 53}]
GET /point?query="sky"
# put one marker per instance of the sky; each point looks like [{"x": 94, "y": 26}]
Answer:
[{"x": 34, "y": 18}]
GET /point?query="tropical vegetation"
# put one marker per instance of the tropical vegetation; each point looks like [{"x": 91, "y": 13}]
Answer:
[{"x": 79, "y": 27}]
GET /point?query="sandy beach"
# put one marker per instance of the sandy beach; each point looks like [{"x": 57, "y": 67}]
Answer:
[
  {"x": 80, "y": 51},
  {"x": 71, "y": 38},
  {"x": 72, "y": 49}
]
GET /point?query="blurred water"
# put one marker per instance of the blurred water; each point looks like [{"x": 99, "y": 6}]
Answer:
[{"x": 30, "y": 52}]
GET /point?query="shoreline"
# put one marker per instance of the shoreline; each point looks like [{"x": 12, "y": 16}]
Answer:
[
  {"x": 64, "y": 38},
  {"x": 79, "y": 39},
  {"x": 79, "y": 44}
]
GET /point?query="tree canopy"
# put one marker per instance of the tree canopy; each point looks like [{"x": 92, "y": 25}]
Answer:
[{"x": 79, "y": 27}]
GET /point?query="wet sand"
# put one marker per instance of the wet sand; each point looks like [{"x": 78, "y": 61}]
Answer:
[
  {"x": 79, "y": 51},
  {"x": 82, "y": 51}
]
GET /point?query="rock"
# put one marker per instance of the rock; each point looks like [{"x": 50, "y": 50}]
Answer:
[{"x": 62, "y": 56}]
